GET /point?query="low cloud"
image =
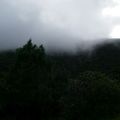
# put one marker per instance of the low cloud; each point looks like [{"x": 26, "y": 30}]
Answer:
[{"x": 59, "y": 24}]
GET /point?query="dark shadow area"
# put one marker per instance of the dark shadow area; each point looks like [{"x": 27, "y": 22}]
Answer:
[{"x": 35, "y": 85}]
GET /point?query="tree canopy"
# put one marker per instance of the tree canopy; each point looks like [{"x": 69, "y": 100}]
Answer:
[{"x": 38, "y": 85}]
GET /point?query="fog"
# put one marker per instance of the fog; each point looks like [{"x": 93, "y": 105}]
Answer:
[{"x": 57, "y": 24}]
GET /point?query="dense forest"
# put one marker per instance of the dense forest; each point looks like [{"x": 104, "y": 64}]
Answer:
[{"x": 35, "y": 85}]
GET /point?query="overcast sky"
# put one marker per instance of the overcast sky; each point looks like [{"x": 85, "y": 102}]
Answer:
[{"x": 58, "y": 23}]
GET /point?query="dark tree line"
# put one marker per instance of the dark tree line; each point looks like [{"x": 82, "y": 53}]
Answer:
[{"x": 36, "y": 85}]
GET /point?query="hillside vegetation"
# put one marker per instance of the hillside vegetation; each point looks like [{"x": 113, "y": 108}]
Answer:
[{"x": 35, "y": 85}]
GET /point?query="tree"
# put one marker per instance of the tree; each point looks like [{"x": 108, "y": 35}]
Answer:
[
  {"x": 27, "y": 78},
  {"x": 92, "y": 95}
]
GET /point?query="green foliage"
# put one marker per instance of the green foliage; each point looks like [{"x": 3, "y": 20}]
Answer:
[
  {"x": 92, "y": 95},
  {"x": 35, "y": 83},
  {"x": 25, "y": 76},
  {"x": 82, "y": 86},
  {"x": 30, "y": 54}
]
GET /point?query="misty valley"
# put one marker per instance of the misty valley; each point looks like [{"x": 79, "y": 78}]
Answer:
[{"x": 40, "y": 85}]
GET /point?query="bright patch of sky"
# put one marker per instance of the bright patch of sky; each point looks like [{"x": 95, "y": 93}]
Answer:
[{"x": 112, "y": 12}]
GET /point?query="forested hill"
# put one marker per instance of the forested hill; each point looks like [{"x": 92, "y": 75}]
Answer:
[
  {"x": 104, "y": 58},
  {"x": 83, "y": 86}
]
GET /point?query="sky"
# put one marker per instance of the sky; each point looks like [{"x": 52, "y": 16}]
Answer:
[{"x": 58, "y": 24}]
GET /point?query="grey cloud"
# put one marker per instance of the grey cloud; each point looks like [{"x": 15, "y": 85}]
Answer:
[{"x": 55, "y": 23}]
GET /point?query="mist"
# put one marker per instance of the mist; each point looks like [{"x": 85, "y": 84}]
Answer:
[{"x": 57, "y": 24}]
